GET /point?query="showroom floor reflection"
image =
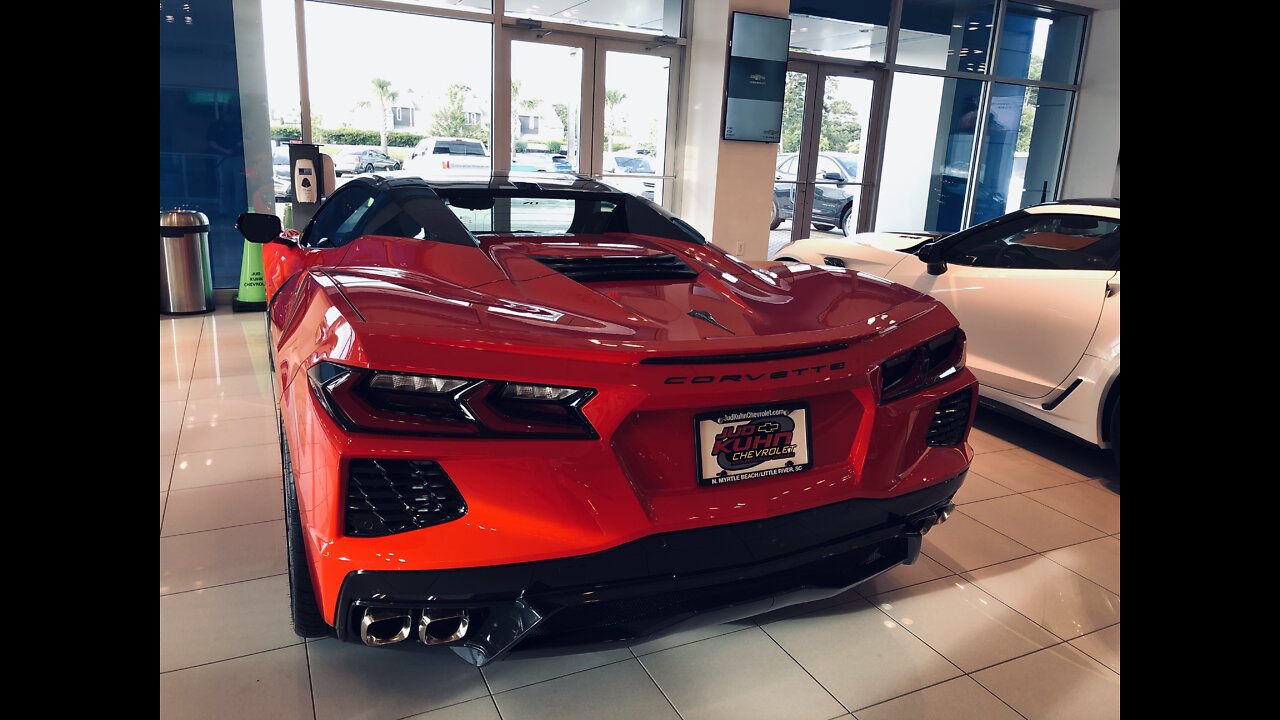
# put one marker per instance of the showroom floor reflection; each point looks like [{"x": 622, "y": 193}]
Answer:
[{"x": 1013, "y": 611}]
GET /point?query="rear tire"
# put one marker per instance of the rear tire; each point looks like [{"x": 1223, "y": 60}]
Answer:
[
  {"x": 845, "y": 219},
  {"x": 305, "y": 611},
  {"x": 1113, "y": 433},
  {"x": 368, "y": 168},
  {"x": 821, "y": 227},
  {"x": 777, "y": 218}
]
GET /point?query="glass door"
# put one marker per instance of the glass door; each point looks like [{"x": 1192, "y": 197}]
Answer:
[
  {"x": 792, "y": 162},
  {"x": 552, "y": 92},
  {"x": 633, "y": 99},
  {"x": 825, "y": 176},
  {"x": 594, "y": 106},
  {"x": 840, "y": 177}
]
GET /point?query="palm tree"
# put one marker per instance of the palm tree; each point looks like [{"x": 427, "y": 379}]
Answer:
[
  {"x": 519, "y": 105},
  {"x": 383, "y": 94},
  {"x": 611, "y": 99}
]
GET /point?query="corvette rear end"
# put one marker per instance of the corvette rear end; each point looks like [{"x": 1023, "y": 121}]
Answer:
[{"x": 581, "y": 437}]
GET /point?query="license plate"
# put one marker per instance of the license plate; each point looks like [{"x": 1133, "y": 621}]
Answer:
[{"x": 752, "y": 443}]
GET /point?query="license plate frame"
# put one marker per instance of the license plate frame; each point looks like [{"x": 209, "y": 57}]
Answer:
[{"x": 707, "y": 429}]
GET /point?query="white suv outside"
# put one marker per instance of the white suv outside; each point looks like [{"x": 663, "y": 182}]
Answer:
[{"x": 440, "y": 155}]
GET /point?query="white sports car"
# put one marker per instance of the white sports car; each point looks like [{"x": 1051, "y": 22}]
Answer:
[{"x": 1037, "y": 292}]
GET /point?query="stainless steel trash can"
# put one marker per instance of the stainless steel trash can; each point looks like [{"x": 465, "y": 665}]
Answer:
[{"x": 186, "y": 282}]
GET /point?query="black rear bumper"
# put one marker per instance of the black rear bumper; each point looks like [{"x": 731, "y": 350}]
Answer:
[{"x": 660, "y": 583}]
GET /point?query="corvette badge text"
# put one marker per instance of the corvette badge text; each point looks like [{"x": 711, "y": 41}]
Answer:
[{"x": 752, "y": 377}]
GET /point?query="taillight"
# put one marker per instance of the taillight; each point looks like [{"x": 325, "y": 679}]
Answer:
[
  {"x": 445, "y": 164},
  {"x": 923, "y": 365},
  {"x": 387, "y": 402}
]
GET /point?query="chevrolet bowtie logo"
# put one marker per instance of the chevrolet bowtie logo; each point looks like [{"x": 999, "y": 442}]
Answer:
[{"x": 705, "y": 316}]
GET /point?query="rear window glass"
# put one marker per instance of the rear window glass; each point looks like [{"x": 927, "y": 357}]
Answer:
[
  {"x": 458, "y": 215},
  {"x": 532, "y": 215},
  {"x": 475, "y": 148},
  {"x": 441, "y": 149}
]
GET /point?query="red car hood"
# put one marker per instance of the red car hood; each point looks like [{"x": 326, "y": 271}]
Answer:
[{"x": 499, "y": 294}]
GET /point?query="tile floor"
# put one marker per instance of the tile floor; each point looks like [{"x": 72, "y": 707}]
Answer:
[{"x": 1013, "y": 611}]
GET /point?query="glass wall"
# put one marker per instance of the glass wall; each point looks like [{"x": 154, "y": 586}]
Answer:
[
  {"x": 946, "y": 34},
  {"x": 201, "y": 137},
  {"x": 1022, "y": 149},
  {"x": 1038, "y": 43},
  {"x": 928, "y": 150},
  {"x": 840, "y": 28},
  {"x": 659, "y": 17},
  {"x": 408, "y": 89},
  {"x": 280, "y": 40},
  {"x": 968, "y": 137}
]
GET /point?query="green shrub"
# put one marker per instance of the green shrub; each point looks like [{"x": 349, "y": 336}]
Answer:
[
  {"x": 521, "y": 146},
  {"x": 348, "y": 136},
  {"x": 400, "y": 138},
  {"x": 553, "y": 147}
]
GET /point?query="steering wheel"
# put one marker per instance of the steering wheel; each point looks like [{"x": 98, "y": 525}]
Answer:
[{"x": 1003, "y": 253}]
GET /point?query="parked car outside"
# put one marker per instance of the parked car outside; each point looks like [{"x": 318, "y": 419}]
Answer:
[
  {"x": 365, "y": 160},
  {"x": 533, "y": 162},
  {"x": 834, "y": 197},
  {"x": 434, "y": 156},
  {"x": 630, "y": 163},
  {"x": 280, "y": 172}
]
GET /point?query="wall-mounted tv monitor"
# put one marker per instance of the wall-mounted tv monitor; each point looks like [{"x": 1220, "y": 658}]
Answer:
[{"x": 757, "y": 77}]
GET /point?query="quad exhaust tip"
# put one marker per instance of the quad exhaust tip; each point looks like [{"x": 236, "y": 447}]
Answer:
[
  {"x": 385, "y": 627},
  {"x": 443, "y": 627},
  {"x": 944, "y": 513},
  {"x": 382, "y": 626},
  {"x": 927, "y": 523}
]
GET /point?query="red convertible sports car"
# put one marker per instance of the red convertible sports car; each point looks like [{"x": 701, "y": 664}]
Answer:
[{"x": 539, "y": 413}]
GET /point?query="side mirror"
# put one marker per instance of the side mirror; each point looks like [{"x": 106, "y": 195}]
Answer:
[
  {"x": 259, "y": 228},
  {"x": 931, "y": 255},
  {"x": 840, "y": 179}
]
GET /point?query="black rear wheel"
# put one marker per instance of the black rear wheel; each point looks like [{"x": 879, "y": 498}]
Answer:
[
  {"x": 368, "y": 168},
  {"x": 822, "y": 227},
  {"x": 777, "y": 218},
  {"x": 305, "y": 611}
]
